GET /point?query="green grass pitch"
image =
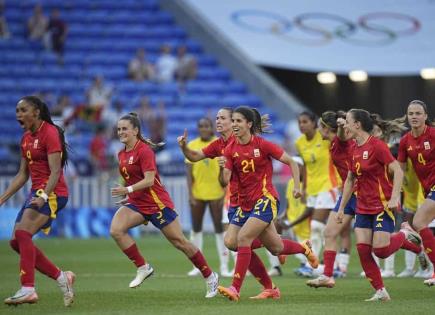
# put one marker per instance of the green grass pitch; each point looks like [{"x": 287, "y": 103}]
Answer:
[{"x": 103, "y": 274}]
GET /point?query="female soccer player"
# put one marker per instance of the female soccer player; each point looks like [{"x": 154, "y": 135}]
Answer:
[
  {"x": 331, "y": 128},
  {"x": 216, "y": 150},
  {"x": 377, "y": 197},
  {"x": 249, "y": 157},
  {"x": 147, "y": 200},
  {"x": 321, "y": 179},
  {"x": 418, "y": 145},
  {"x": 205, "y": 189},
  {"x": 44, "y": 154}
]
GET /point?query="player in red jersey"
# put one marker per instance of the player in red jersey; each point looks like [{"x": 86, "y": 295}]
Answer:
[
  {"x": 216, "y": 150},
  {"x": 377, "y": 198},
  {"x": 250, "y": 158},
  {"x": 148, "y": 201},
  {"x": 331, "y": 127},
  {"x": 44, "y": 154},
  {"x": 419, "y": 146}
]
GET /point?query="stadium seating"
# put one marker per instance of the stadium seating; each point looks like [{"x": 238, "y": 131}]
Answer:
[{"x": 103, "y": 36}]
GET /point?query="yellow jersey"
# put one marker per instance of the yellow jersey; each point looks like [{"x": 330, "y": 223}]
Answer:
[
  {"x": 321, "y": 175},
  {"x": 295, "y": 207},
  {"x": 413, "y": 195},
  {"x": 205, "y": 174}
]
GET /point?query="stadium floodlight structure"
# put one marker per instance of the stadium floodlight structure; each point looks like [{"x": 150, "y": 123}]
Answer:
[
  {"x": 326, "y": 77},
  {"x": 358, "y": 75},
  {"x": 427, "y": 73}
]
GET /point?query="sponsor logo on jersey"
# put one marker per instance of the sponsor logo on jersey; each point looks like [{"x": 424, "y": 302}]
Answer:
[
  {"x": 365, "y": 155},
  {"x": 426, "y": 145},
  {"x": 256, "y": 152}
]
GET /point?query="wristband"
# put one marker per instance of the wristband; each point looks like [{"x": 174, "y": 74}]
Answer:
[
  {"x": 42, "y": 194},
  {"x": 130, "y": 189}
]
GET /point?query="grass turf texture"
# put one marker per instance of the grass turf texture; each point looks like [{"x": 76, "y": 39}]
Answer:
[{"x": 103, "y": 274}]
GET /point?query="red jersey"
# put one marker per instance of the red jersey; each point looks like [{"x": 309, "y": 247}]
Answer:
[
  {"x": 341, "y": 155},
  {"x": 252, "y": 164},
  {"x": 370, "y": 166},
  {"x": 421, "y": 151},
  {"x": 132, "y": 166},
  {"x": 215, "y": 149},
  {"x": 35, "y": 148}
]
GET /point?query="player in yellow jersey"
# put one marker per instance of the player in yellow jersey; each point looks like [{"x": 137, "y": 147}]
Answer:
[
  {"x": 204, "y": 189},
  {"x": 320, "y": 180}
]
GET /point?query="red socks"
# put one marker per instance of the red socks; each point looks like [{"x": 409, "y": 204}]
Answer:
[
  {"x": 199, "y": 262},
  {"x": 256, "y": 267},
  {"x": 133, "y": 254},
  {"x": 328, "y": 260},
  {"x": 369, "y": 265},
  {"x": 428, "y": 243},
  {"x": 291, "y": 247},
  {"x": 407, "y": 245},
  {"x": 42, "y": 263},
  {"x": 256, "y": 244},
  {"x": 242, "y": 264},
  {"x": 27, "y": 258},
  {"x": 396, "y": 241}
]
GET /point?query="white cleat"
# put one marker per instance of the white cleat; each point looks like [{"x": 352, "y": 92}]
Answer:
[
  {"x": 406, "y": 273},
  {"x": 387, "y": 274},
  {"x": 65, "y": 283},
  {"x": 321, "y": 282},
  {"x": 212, "y": 285},
  {"x": 380, "y": 295},
  {"x": 430, "y": 282},
  {"x": 410, "y": 234},
  {"x": 22, "y": 296},
  {"x": 143, "y": 272},
  {"x": 424, "y": 273},
  {"x": 195, "y": 272},
  {"x": 362, "y": 274},
  {"x": 275, "y": 271}
]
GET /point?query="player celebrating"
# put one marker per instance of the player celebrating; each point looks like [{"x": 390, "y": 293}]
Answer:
[
  {"x": 377, "y": 197},
  {"x": 147, "y": 200},
  {"x": 249, "y": 157},
  {"x": 418, "y": 145},
  {"x": 44, "y": 154}
]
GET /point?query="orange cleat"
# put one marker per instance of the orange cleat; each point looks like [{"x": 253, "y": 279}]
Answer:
[
  {"x": 312, "y": 258},
  {"x": 268, "y": 294},
  {"x": 230, "y": 293}
]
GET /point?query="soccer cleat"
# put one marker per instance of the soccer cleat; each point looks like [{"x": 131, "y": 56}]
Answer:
[
  {"x": 65, "y": 283},
  {"x": 424, "y": 273},
  {"x": 380, "y": 295},
  {"x": 21, "y": 297},
  {"x": 321, "y": 282},
  {"x": 225, "y": 273},
  {"x": 410, "y": 234},
  {"x": 268, "y": 294},
  {"x": 387, "y": 274},
  {"x": 194, "y": 272},
  {"x": 143, "y": 272},
  {"x": 230, "y": 293},
  {"x": 338, "y": 273},
  {"x": 430, "y": 282},
  {"x": 406, "y": 273},
  {"x": 304, "y": 271},
  {"x": 312, "y": 259},
  {"x": 362, "y": 274},
  {"x": 212, "y": 285},
  {"x": 275, "y": 271},
  {"x": 423, "y": 260}
]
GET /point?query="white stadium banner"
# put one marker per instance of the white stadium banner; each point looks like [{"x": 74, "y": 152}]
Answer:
[{"x": 381, "y": 37}]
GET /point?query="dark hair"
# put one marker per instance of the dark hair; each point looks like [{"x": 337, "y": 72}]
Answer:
[
  {"x": 260, "y": 124},
  {"x": 364, "y": 118},
  {"x": 44, "y": 114},
  {"x": 206, "y": 119},
  {"x": 390, "y": 128},
  {"x": 135, "y": 122},
  {"x": 329, "y": 119},
  {"x": 424, "y": 106},
  {"x": 311, "y": 116}
]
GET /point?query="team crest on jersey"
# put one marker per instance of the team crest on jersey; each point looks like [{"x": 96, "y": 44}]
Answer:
[
  {"x": 426, "y": 145},
  {"x": 35, "y": 143},
  {"x": 236, "y": 154},
  {"x": 409, "y": 148},
  {"x": 365, "y": 155},
  {"x": 130, "y": 160},
  {"x": 256, "y": 152}
]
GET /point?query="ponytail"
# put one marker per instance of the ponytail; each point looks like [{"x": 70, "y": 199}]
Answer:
[{"x": 135, "y": 122}]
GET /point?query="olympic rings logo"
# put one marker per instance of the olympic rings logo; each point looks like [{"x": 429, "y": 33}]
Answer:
[{"x": 315, "y": 28}]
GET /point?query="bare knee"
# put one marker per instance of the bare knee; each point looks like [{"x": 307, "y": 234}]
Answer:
[
  {"x": 117, "y": 233},
  {"x": 230, "y": 243},
  {"x": 180, "y": 243},
  {"x": 330, "y": 234}
]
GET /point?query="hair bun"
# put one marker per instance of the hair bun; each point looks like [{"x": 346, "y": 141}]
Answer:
[{"x": 133, "y": 114}]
